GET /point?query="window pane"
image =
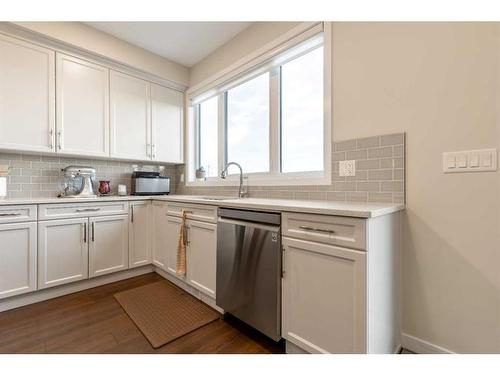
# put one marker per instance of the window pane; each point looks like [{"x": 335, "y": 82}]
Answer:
[
  {"x": 248, "y": 124},
  {"x": 208, "y": 135},
  {"x": 302, "y": 113}
]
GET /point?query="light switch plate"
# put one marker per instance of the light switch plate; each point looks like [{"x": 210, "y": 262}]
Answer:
[
  {"x": 347, "y": 168},
  {"x": 470, "y": 161}
]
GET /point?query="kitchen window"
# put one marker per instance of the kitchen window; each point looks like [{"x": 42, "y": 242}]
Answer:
[
  {"x": 272, "y": 119},
  {"x": 247, "y": 124},
  {"x": 208, "y": 132}
]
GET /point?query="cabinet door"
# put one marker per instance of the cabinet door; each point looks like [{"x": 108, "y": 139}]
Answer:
[
  {"x": 167, "y": 124},
  {"x": 139, "y": 234},
  {"x": 130, "y": 117},
  {"x": 17, "y": 259},
  {"x": 27, "y": 106},
  {"x": 108, "y": 246},
  {"x": 201, "y": 256},
  {"x": 160, "y": 237},
  {"x": 62, "y": 251},
  {"x": 82, "y": 107},
  {"x": 324, "y": 297},
  {"x": 173, "y": 227}
]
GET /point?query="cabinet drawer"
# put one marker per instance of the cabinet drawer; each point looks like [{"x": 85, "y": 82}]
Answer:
[
  {"x": 335, "y": 230},
  {"x": 65, "y": 210},
  {"x": 194, "y": 212},
  {"x": 17, "y": 214}
]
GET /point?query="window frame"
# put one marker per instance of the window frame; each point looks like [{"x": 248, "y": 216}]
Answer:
[{"x": 274, "y": 177}]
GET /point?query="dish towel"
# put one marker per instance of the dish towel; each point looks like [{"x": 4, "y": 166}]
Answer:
[{"x": 180, "y": 266}]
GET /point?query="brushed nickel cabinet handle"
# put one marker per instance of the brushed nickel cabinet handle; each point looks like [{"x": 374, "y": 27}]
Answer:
[
  {"x": 132, "y": 214},
  {"x": 10, "y": 214},
  {"x": 317, "y": 229},
  {"x": 187, "y": 235},
  {"x": 59, "y": 141},
  {"x": 84, "y": 232},
  {"x": 51, "y": 139},
  {"x": 93, "y": 231},
  {"x": 88, "y": 209}
]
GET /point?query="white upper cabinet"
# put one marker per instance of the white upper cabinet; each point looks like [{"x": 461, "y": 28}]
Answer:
[
  {"x": 82, "y": 107},
  {"x": 27, "y": 85},
  {"x": 167, "y": 119},
  {"x": 130, "y": 116},
  {"x": 56, "y": 102}
]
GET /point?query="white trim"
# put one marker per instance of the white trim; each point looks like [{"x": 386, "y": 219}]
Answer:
[
  {"x": 328, "y": 97},
  {"x": 205, "y": 298},
  {"x": 274, "y": 120},
  {"x": 22, "y": 33},
  {"x": 276, "y": 46},
  {"x": 57, "y": 291},
  {"x": 420, "y": 346},
  {"x": 279, "y": 56}
]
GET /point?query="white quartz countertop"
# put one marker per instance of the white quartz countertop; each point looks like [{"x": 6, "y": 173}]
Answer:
[{"x": 352, "y": 209}]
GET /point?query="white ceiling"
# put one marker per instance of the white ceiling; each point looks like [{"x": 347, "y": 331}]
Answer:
[{"x": 186, "y": 43}]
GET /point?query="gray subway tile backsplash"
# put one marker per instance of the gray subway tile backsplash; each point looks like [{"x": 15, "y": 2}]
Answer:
[
  {"x": 380, "y": 174},
  {"x": 38, "y": 176}
]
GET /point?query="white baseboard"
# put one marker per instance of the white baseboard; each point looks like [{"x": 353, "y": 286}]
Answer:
[
  {"x": 58, "y": 291},
  {"x": 188, "y": 288},
  {"x": 420, "y": 346}
]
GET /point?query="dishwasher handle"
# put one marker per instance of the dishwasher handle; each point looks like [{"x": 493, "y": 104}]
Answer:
[{"x": 271, "y": 228}]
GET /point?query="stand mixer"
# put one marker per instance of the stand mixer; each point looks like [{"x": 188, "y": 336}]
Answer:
[{"x": 78, "y": 182}]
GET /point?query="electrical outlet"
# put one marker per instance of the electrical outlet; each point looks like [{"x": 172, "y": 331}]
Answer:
[
  {"x": 347, "y": 168},
  {"x": 182, "y": 177}
]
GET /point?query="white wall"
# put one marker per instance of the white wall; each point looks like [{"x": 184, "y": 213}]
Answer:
[
  {"x": 253, "y": 37},
  {"x": 96, "y": 41},
  {"x": 439, "y": 82}
]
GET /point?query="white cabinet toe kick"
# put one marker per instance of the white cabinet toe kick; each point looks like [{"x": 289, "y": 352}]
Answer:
[{"x": 340, "y": 279}]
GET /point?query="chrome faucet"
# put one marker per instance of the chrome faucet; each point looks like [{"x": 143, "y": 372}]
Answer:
[{"x": 242, "y": 193}]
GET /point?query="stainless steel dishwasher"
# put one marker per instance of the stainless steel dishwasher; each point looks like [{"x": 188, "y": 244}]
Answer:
[{"x": 249, "y": 268}]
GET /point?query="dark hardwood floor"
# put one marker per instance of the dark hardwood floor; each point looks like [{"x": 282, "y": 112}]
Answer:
[{"x": 92, "y": 321}]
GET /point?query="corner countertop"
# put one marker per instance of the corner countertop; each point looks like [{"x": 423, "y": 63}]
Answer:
[{"x": 351, "y": 209}]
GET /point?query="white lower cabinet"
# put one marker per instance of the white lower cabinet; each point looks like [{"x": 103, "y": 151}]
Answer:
[
  {"x": 62, "y": 251},
  {"x": 159, "y": 237},
  {"x": 201, "y": 247},
  {"x": 172, "y": 230},
  {"x": 108, "y": 244},
  {"x": 139, "y": 234},
  {"x": 17, "y": 259},
  {"x": 324, "y": 297},
  {"x": 201, "y": 254}
]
